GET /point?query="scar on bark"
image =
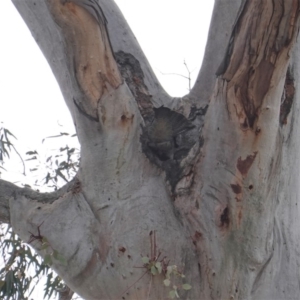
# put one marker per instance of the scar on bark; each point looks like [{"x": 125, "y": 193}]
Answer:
[
  {"x": 89, "y": 50},
  {"x": 236, "y": 188},
  {"x": 243, "y": 165},
  {"x": 84, "y": 113},
  {"x": 196, "y": 237},
  {"x": 250, "y": 63},
  {"x": 287, "y": 97},
  {"x": 76, "y": 188},
  {"x": 133, "y": 75},
  {"x": 225, "y": 217}
]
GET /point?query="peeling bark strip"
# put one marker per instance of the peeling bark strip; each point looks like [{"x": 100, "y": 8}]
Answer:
[
  {"x": 84, "y": 27},
  {"x": 287, "y": 97},
  {"x": 84, "y": 113},
  {"x": 262, "y": 35}
]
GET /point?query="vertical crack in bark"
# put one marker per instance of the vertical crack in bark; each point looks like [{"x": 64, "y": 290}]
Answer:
[
  {"x": 260, "y": 42},
  {"x": 260, "y": 275},
  {"x": 287, "y": 97},
  {"x": 224, "y": 218}
]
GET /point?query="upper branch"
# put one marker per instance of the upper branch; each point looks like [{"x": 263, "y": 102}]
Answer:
[
  {"x": 95, "y": 25},
  {"x": 259, "y": 46},
  {"x": 253, "y": 37},
  {"x": 89, "y": 51},
  {"x": 223, "y": 19}
]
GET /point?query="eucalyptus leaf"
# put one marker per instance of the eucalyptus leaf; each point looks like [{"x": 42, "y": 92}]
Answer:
[
  {"x": 172, "y": 294},
  {"x": 167, "y": 282},
  {"x": 145, "y": 260},
  {"x": 186, "y": 286},
  {"x": 153, "y": 270}
]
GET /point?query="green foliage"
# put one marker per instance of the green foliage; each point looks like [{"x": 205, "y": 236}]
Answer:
[
  {"x": 6, "y": 146},
  {"x": 50, "y": 254},
  {"x": 58, "y": 168},
  {"x": 21, "y": 269},
  {"x": 170, "y": 275}
]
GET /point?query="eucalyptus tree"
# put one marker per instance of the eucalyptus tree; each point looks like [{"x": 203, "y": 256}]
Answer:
[{"x": 204, "y": 187}]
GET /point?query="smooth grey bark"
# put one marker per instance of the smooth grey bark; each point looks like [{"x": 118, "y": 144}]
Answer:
[
  {"x": 214, "y": 174},
  {"x": 10, "y": 191},
  {"x": 223, "y": 18}
]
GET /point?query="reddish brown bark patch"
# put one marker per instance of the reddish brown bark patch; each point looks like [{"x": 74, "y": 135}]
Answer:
[
  {"x": 89, "y": 49},
  {"x": 198, "y": 235},
  {"x": 122, "y": 249},
  {"x": 243, "y": 165},
  {"x": 258, "y": 50},
  {"x": 236, "y": 188},
  {"x": 126, "y": 120},
  {"x": 287, "y": 97}
]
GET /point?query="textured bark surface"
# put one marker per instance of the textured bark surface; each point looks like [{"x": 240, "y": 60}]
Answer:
[{"x": 214, "y": 174}]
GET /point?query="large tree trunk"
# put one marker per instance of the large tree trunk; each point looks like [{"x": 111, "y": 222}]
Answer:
[{"x": 214, "y": 174}]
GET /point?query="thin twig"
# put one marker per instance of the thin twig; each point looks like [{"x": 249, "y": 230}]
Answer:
[
  {"x": 134, "y": 283},
  {"x": 175, "y": 74},
  {"x": 186, "y": 77},
  {"x": 151, "y": 245},
  {"x": 150, "y": 284},
  {"x": 189, "y": 78}
]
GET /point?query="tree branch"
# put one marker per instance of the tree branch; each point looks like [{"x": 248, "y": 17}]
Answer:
[
  {"x": 8, "y": 190},
  {"x": 215, "y": 48},
  {"x": 51, "y": 41}
]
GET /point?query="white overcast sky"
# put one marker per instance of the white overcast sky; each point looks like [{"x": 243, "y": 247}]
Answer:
[{"x": 31, "y": 105}]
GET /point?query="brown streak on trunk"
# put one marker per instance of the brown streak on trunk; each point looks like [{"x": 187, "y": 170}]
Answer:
[
  {"x": 89, "y": 50},
  {"x": 243, "y": 165},
  {"x": 236, "y": 188},
  {"x": 262, "y": 34},
  {"x": 90, "y": 267},
  {"x": 287, "y": 98}
]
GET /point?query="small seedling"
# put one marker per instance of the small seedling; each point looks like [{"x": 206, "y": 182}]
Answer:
[{"x": 155, "y": 266}]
